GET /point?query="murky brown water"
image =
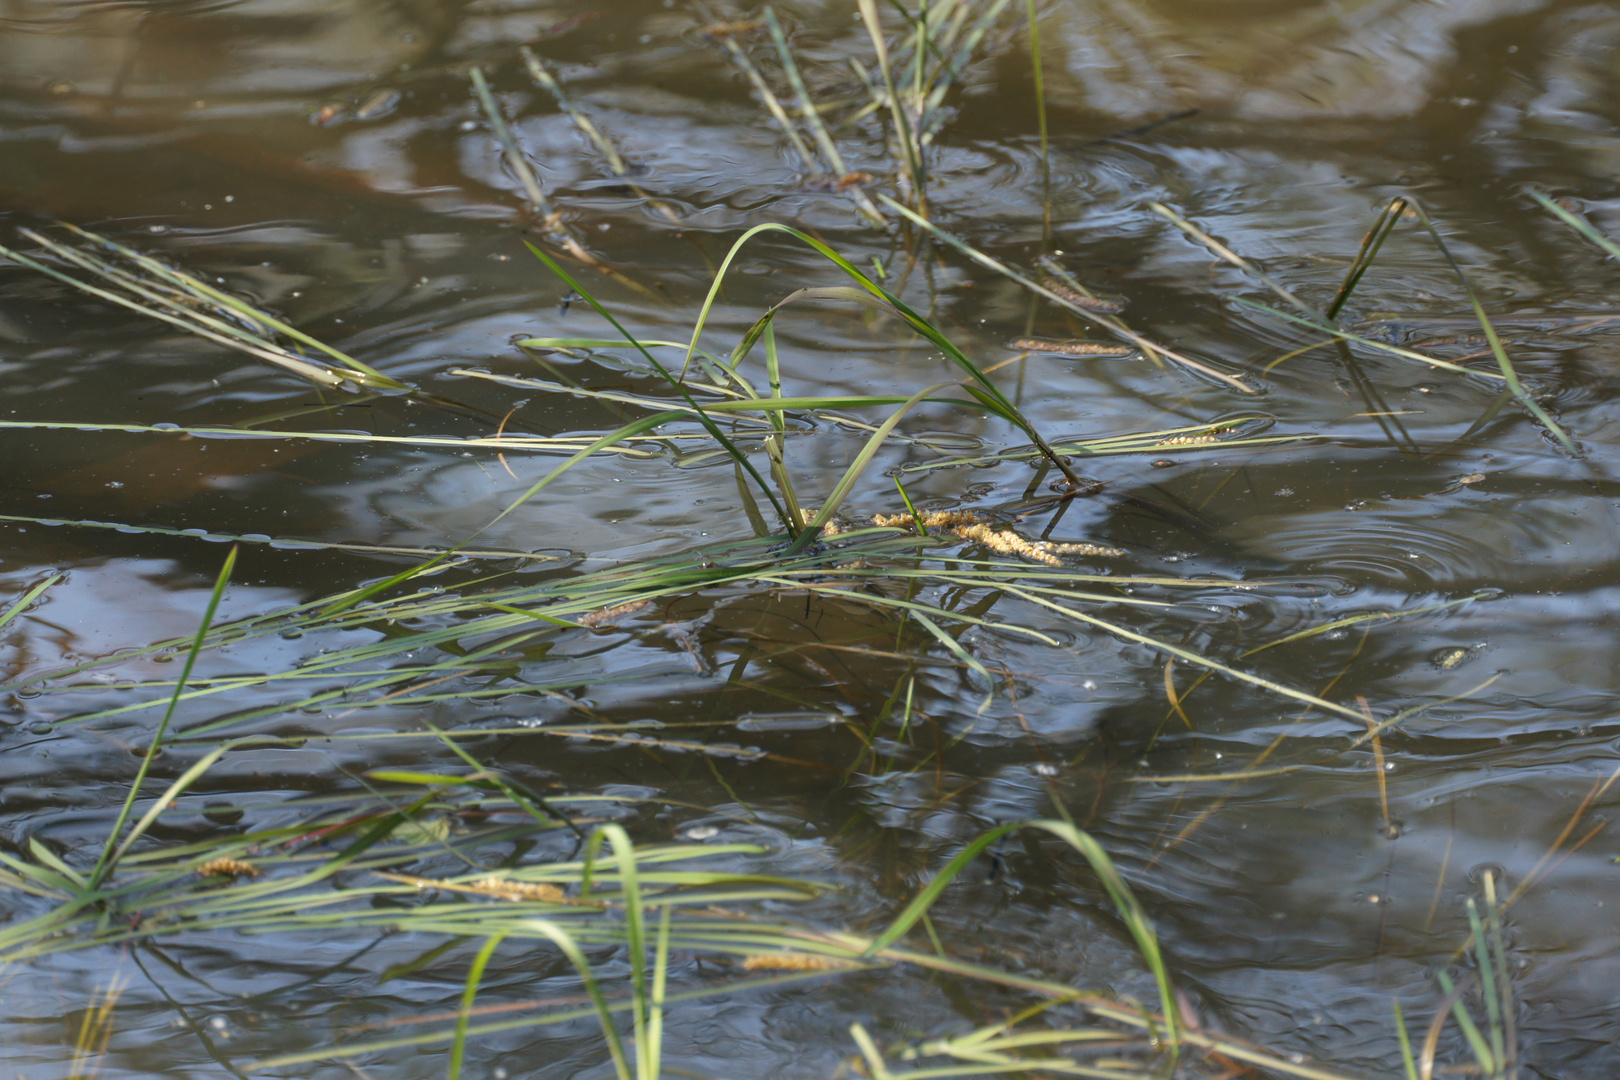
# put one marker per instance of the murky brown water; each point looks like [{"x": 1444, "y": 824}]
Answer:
[{"x": 1288, "y": 913}]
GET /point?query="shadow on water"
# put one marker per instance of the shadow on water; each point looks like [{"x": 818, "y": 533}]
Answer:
[{"x": 328, "y": 163}]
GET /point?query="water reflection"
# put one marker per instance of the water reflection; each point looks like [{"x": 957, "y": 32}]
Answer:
[{"x": 327, "y": 161}]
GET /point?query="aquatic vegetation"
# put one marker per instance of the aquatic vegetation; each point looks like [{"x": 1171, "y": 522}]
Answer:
[{"x": 834, "y": 712}]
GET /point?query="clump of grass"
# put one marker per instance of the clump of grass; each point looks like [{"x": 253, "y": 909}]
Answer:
[{"x": 140, "y": 283}]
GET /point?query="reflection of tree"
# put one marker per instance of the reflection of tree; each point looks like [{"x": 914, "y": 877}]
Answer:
[{"x": 1356, "y": 58}]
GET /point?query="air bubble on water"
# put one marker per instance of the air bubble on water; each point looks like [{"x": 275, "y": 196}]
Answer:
[
  {"x": 702, "y": 832},
  {"x": 1043, "y": 769}
]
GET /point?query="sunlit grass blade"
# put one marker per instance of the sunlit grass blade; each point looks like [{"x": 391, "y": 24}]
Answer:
[
  {"x": 315, "y": 373},
  {"x": 196, "y": 286},
  {"x": 514, "y": 155},
  {"x": 857, "y": 467},
  {"x": 504, "y": 443},
  {"x": 904, "y": 130},
  {"x": 988, "y": 391},
  {"x": 773, "y": 105},
  {"x": 812, "y": 118},
  {"x": 1371, "y": 343}
]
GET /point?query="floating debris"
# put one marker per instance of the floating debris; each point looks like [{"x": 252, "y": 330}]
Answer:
[
  {"x": 378, "y": 105},
  {"x": 934, "y": 519},
  {"x": 1070, "y": 348},
  {"x": 610, "y": 616},
  {"x": 732, "y": 28},
  {"x": 840, "y": 183},
  {"x": 793, "y": 962},
  {"x": 502, "y": 889},
  {"x": 966, "y": 525},
  {"x": 231, "y": 868},
  {"x": 1081, "y": 300},
  {"x": 331, "y": 114}
]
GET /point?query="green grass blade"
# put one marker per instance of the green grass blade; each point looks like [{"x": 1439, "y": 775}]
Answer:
[
  {"x": 1407, "y": 1060},
  {"x": 570, "y": 948},
  {"x": 1371, "y": 244},
  {"x": 1228, "y": 254},
  {"x": 1111, "y": 325},
  {"x": 703, "y": 417},
  {"x": 1509, "y": 375},
  {"x": 1476, "y": 1041},
  {"x": 1130, "y": 911},
  {"x": 28, "y": 598},
  {"x": 910, "y": 145},
  {"x": 111, "y": 852},
  {"x": 475, "y": 975},
  {"x": 846, "y": 483},
  {"x": 225, "y": 299},
  {"x": 1580, "y": 225}
]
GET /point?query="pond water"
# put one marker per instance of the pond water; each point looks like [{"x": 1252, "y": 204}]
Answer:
[{"x": 329, "y": 162}]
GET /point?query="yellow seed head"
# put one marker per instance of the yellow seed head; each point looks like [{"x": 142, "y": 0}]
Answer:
[
  {"x": 503, "y": 889},
  {"x": 786, "y": 961},
  {"x": 231, "y": 868}
]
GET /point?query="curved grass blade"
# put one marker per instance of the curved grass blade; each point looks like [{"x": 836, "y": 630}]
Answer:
[
  {"x": 1124, "y": 901},
  {"x": 1371, "y": 244},
  {"x": 703, "y": 417},
  {"x": 992, "y": 394},
  {"x": 475, "y": 975}
]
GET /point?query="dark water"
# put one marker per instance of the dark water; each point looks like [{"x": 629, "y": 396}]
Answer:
[{"x": 1289, "y": 913}]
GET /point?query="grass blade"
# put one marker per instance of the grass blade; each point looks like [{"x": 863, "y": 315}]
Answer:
[
  {"x": 111, "y": 853},
  {"x": 28, "y": 598},
  {"x": 1580, "y": 225},
  {"x": 1136, "y": 920},
  {"x": 1371, "y": 244}
]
